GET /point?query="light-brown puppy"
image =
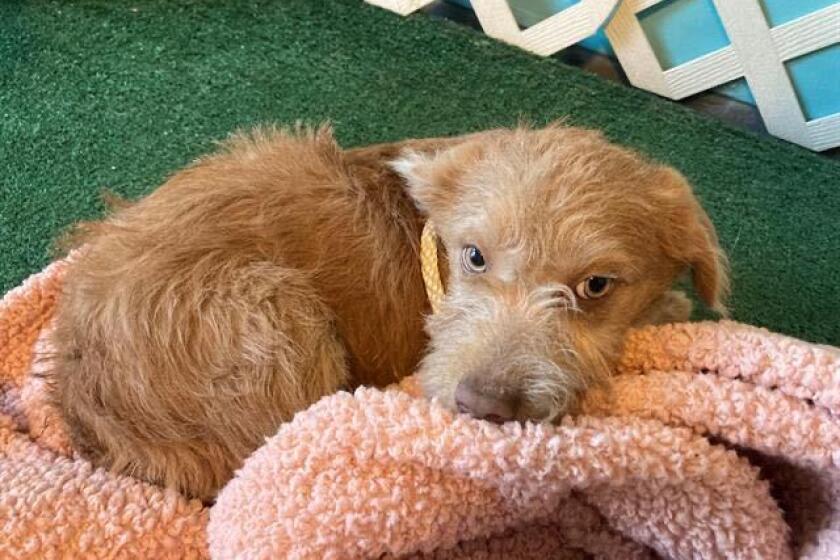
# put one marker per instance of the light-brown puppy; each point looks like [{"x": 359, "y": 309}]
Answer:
[{"x": 282, "y": 269}]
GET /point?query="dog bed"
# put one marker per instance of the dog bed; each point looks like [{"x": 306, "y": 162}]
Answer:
[{"x": 715, "y": 440}]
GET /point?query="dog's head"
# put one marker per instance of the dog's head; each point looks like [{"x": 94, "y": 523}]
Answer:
[{"x": 557, "y": 242}]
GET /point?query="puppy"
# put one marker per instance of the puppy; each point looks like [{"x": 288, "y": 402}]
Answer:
[{"x": 281, "y": 269}]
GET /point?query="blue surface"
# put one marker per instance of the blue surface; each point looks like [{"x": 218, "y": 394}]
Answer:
[
  {"x": 682, "y": 30},
  {"x": 778, "y": 12},
  {"x": 737, "y": 89},
  {"x": 816, "y": 77},
  {"x": 531, "y": 12}
]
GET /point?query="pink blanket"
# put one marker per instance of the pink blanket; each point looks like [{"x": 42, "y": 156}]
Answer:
[{"x": 715, "y": 440}]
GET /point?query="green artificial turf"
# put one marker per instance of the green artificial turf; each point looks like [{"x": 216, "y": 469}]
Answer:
[{"x": 115, "y": 94}]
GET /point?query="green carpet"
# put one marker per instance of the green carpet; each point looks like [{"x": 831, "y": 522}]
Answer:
[{"x": 119, "y": 94}]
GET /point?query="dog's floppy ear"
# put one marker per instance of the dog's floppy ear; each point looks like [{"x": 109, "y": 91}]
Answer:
[
  {"x": 432, "y": 178},
  {"x": 689, "y": 237},
  {"x": 416, "y": 168}
]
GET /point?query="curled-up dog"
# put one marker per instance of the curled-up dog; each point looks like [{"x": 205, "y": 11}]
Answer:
[{"x": 283, "y": 268}]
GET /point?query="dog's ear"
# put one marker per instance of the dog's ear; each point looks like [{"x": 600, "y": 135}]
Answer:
[
  {"x": 432, "y": 178},
  {"x": 689, "y": 237}
]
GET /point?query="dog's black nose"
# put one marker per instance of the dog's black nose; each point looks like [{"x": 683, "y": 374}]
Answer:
[{"x": 483, "y": 405}]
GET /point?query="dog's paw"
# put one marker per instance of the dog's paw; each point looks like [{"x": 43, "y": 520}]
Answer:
[{"x": 673, "y": 307}]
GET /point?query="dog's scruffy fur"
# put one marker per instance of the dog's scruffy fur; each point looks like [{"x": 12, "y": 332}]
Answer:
[{"x": 283, "y": 268}]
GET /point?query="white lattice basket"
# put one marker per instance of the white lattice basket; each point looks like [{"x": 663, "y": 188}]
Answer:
[{"x": 757, "y": 52}]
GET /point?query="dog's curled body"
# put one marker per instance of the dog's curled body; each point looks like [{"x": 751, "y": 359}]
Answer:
[
  {"x": 242, "y": 290},
  {"x": 281, "y": 269}
]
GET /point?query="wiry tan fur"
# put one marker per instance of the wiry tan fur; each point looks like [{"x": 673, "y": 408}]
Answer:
[
  {"x": 283, "y": 268},
  {"x": 548, "y": 209}
]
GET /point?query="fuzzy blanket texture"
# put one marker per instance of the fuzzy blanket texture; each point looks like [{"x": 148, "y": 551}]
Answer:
[{"x": 714, "y": 440}]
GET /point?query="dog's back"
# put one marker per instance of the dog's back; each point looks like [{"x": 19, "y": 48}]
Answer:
[{"x": 189, "y": 316}]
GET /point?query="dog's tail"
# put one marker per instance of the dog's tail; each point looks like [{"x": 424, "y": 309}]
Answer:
[
  {"x": 76, "y": 235},
  {"x": 113, "y": 202}
]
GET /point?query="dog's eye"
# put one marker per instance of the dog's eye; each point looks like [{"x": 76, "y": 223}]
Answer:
[
  {"x": 594, "y": 287},
  {"x": 473, "y": 260}
]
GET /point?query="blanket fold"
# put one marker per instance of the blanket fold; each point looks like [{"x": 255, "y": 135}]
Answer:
[{"x": 714, "y": 440}]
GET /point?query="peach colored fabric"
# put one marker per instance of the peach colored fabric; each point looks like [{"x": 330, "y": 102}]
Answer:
[
  {"x": 664, "y": 463},
  {"x": 54, "y": 505}
]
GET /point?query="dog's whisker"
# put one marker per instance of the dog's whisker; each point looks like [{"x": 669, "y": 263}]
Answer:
[
  {"x": 562, "y": 303},
  {"x": 553, "y": 296}
]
